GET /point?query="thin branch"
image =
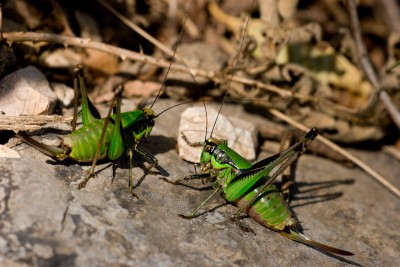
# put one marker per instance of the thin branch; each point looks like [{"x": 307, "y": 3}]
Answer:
[
  {"x": 154, "y": 41},
  {"x": 392, "y": 151},
  {"x": 340, "y": 150},
  {"x": 138, "y": 30},
  {"x": 127, "y": 54},
  {"x": 1, "y": 16},
  {"x": 368, "y": 68},
  {"x": 26, "y": 123},
  {"x": 392, "y": 13}
]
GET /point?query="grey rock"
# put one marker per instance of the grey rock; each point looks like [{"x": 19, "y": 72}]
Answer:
[
  {"x": 46, "y": 221},
  {"x": 26, "y": 91},
  {"x": 6, "y": 152},
  {"x": 240, "y": 134},
  {"x": 65, "y": 94}
]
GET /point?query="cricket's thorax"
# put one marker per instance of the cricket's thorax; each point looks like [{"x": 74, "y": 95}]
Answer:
[
  {"x": 138, "y": 123},
  {"x": 222, "y": 158}
]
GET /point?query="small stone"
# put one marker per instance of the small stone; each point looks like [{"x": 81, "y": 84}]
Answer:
[
  {"x": 43, "y": 251},
  {"x": 241, "y": 135},
  {"x": 63, "y": 58},
  {"x": 64, "y": 93},
  {"x": 26, "y": 91},
  {"x": 6, "y": 152}
]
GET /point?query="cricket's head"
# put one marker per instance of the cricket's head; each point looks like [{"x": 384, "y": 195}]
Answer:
[
  {"x": 150, "y": 116},
  {"x": 209, "y": 147},
  {"x": 139, "y": 123}
]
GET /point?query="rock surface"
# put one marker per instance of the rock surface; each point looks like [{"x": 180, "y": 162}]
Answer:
[
  {"x": 240, "y": 134},
  {"x": 6, "y": 152},
  {"x": 46, "y": 221},
  {"x": 26, "y": 91}
]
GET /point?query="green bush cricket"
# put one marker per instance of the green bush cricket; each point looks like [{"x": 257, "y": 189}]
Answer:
[
  {"x": 101, "y": 138},
  {"x": 109, "y": 137},
  {"x": 249, "y": 185}
]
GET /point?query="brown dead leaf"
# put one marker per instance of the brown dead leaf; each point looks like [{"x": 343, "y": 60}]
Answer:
[
  {"x": 105, "y": 97},
  {"x": 100, "y": 61},
  {"x": 61, "y": 58},
  {"x": 139, "y": 88}
]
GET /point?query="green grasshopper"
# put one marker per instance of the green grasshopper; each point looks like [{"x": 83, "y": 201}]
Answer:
[
  {"x": 249, "y": 185},
  {"x": 99, "y": 139}
]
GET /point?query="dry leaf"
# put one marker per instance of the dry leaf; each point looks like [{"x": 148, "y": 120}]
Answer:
[{"x": 139, "y": 88}]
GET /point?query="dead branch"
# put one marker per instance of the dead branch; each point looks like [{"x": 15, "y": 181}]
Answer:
[
  {"x": 392, "y": 10},
  {"x": 368, "y": 69},
  {"x": 127, "y": 54},
  {"x": 28, "y": 123},
  {"x": 345, "y": 153}
]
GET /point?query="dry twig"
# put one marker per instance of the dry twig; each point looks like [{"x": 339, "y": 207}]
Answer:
[
  {"x": 368, "y": 68},
  {"x": 127, "y": 54},
  {"x": 28, "y": 123},
  {"x": 340, "y": 150},
  {"x": 138, "y": 30},
  {"x": 392, "y": 10}
]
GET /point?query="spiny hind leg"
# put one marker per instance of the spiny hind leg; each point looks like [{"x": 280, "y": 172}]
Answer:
[
  {"x": 89, "y": 111},
  {"x": 188, "y": 178},
  {"x": 194, "y": 212},
  {"x": 145, "y": 155},
  {"x": 286, "y": 180},
  {"x": 77, "y": 72},
  {"x": 130, "y": 153},
  {"x": 148, "y": 157},
  {"x": 285, "y": 159}
]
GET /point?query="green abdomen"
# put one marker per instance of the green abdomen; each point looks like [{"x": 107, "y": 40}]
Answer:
[
  {"x": 269, "y": 209},
  {"x": 83, "y": 142}
]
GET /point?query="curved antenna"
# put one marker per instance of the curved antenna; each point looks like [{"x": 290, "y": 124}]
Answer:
[
  {"x": 229, "y": 100},
  {"x": 173, "y": 56},
  {"x": 187, "y": 68},
  {"x": 155, "y": 42},
  {"x": 204, "y": 100},
  {"x": 234, "y": 67},
  {"x": 180, "y": 104}
]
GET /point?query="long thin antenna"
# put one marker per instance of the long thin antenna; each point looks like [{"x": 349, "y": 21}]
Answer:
[
  {"x": 158, "y": 44},
  {"x": 186, "y": 66},
  {"x": 180, "y": 104},
  {"x": 234, "y": 67},
  {"x": 173, "y": 56}
]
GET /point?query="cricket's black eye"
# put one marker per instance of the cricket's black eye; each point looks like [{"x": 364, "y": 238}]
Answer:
[{"x": 209, "y": 148}]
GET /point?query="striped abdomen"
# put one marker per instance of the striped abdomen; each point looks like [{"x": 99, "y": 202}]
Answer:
[
  {"x": 83, "y": 142},
  {"x": 269, "y": 209}
]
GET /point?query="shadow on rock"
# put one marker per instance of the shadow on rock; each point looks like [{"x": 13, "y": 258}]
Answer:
[
  {"x": 302, "y": 191},
  {"x": 158, "y": 144}
]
